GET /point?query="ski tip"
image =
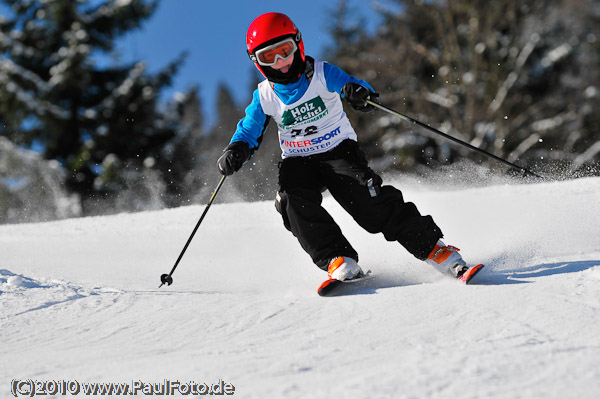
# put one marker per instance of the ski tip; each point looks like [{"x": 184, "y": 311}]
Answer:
[
  {"x": 470, "y": 273},
  {"x": 327, "y": 286}
]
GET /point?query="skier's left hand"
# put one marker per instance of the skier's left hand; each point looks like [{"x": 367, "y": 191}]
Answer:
[{"x": 356, "y": 95}]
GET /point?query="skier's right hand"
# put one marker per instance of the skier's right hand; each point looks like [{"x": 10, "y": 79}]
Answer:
[{"x": 234, "y": 156}]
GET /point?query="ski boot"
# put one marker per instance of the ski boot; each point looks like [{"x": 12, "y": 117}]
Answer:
[
  {"x": 343, "y": 268},
  {"x": 447, "y": 260}
]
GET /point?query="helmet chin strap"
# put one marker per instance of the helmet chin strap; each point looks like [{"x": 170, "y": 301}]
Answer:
[{"x": 291, "y": 76}]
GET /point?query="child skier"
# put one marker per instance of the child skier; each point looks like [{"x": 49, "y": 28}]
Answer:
[{"x": 320, "y": 151}]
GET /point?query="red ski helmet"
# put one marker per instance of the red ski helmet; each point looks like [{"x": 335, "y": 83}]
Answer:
[{"x": 270, "y": 28}]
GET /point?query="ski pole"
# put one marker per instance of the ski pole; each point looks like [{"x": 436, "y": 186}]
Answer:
[
  {"x": 166, "y": 278},
  {"x": 431, "y": 129}
]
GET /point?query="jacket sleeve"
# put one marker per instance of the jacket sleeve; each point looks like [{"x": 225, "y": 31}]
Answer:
[
  {"x": 252, "y": 126},
  {"x": 336, "y": 78}
]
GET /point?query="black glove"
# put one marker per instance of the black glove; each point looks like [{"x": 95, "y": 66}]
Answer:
[
  {"x": 234, "y": 156},
  {"x": 357, "y": 96}
]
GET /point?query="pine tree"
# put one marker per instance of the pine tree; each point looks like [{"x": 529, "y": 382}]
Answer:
[
  {"x": 508, "y": 76},
  {"x": 102, "y": 124},
  {"x": 182, "y": 156}
]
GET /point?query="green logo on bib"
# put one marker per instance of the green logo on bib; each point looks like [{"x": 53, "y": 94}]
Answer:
[{"x": 309, "y": 111}]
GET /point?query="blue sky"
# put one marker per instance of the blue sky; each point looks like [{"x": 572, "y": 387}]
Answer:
[{"x": 214, "y": 33}]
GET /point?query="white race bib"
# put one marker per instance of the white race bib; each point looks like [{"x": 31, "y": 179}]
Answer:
[{"x": 314, "y": 124}]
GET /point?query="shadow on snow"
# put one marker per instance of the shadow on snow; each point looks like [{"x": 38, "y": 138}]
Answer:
[{"x": 488, "y": 276}]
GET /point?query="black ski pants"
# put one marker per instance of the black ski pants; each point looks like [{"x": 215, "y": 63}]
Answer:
[{"x": 344, "y": 171}]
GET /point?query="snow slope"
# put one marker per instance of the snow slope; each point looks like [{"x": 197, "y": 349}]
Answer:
[{"x": 79, "y": 301}]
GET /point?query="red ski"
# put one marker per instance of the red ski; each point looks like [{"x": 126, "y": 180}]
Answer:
[
  {"x": 470, "y": 273},
  {"x": 332, "y": 286}
]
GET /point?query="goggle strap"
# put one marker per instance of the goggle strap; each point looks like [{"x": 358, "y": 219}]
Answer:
[{"x": 252, "y": 56}]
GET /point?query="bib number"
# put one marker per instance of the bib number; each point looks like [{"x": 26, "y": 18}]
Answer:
[{"x": 306, "y": 132}]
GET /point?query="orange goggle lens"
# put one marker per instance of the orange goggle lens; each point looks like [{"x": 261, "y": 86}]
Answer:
[{"x": 268, "y": 56}]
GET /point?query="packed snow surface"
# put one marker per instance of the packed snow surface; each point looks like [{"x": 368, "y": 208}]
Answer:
[{"x": 79, "y": 301}]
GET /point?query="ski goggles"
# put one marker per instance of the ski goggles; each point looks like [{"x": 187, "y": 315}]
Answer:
[{"x": 281, "y": 50}]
